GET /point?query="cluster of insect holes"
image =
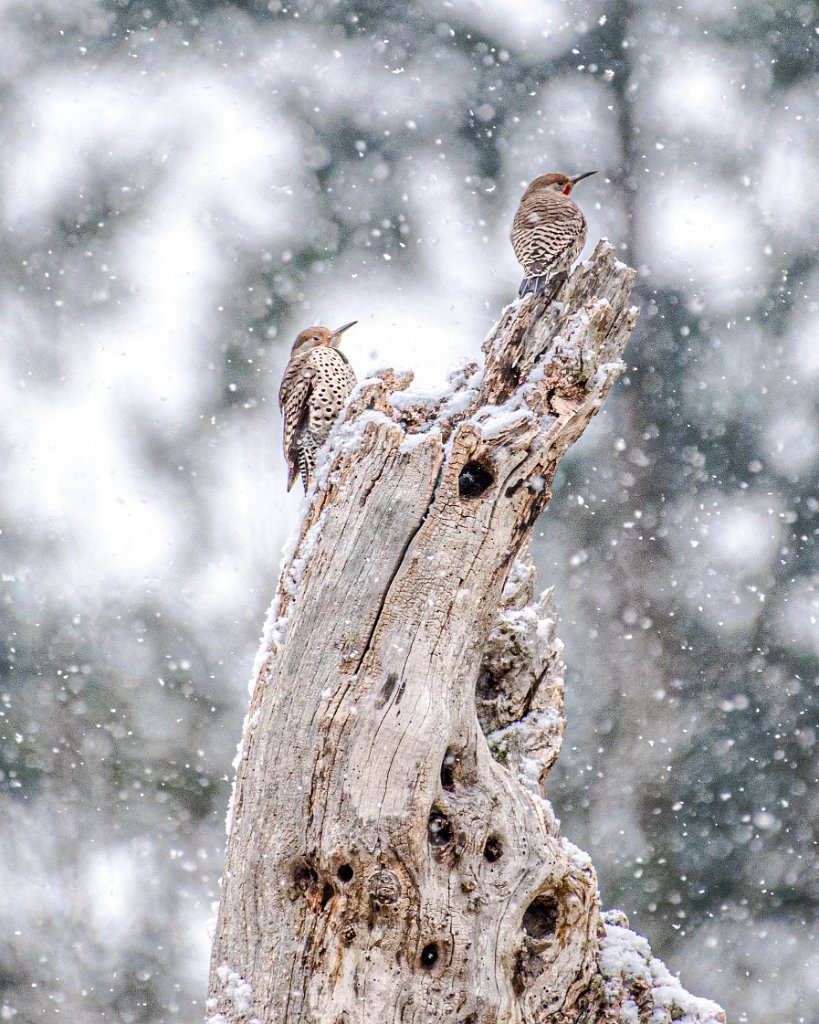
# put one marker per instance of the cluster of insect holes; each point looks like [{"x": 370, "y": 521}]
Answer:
[
  {"x": 440, "y": 834},
  {"x": 540, "y": 918}
]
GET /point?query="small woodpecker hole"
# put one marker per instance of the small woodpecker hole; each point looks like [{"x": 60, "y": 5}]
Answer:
[
  {"x": 345, "y": 873},
  {"x": 473, "y": 480},
  {"x": 493, "y": 850},
  {"x": 326, "y": 894},
  {"x": 540, "y": 919},
  {"x": 429, "y": 954},
  {"x": 439, "y": 829},
  {"x": 449, "y": 766},
  {"x": 305, "y": 875}
]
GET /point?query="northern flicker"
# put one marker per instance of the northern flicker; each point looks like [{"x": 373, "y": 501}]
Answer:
[
  {"x": 549, "y": 230},
  {"x": 313, "y": 391}
]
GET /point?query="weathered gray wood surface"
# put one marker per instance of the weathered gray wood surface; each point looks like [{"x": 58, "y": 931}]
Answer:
[{"x": 382, "y": 864}]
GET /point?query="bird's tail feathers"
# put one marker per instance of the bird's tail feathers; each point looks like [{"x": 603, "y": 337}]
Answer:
[
  {"x": 305, "y": 468},
  {"x": 532, "y": 285},
  {"x": 538, "y": 285}
]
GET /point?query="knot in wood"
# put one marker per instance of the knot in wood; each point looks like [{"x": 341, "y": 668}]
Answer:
[{"x": 385, "y": 888}]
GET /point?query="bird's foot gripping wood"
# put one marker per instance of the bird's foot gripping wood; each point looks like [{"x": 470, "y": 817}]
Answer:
[{"x": 556, "y": 282}]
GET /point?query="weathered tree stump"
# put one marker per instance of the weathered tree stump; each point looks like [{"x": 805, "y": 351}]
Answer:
[{"x": 390, "y": 855}]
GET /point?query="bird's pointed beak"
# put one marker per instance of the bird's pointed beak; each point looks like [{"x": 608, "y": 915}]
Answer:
[
  {"x": 337, "y": 334},
  {"x": 580, "y": 177}
]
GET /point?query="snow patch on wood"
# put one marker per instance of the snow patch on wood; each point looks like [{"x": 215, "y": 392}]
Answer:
[
  {"x": 238, "y": 995},
  {"x": 638, "y": 983}
]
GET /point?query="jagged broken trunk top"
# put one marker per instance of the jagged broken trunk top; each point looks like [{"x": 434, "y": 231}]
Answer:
[{"x": 387, "y": 860}]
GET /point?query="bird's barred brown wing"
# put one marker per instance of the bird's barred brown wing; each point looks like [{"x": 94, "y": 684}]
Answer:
[
  {"x": 548, "y": 233},
  {"x": 294, "y": 397}
]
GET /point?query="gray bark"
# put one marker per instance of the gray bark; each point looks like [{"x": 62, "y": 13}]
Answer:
[{"x": 391, "y": 856}]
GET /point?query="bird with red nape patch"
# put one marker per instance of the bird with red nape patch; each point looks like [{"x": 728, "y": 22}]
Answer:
[{"x": 549, "y": 230}]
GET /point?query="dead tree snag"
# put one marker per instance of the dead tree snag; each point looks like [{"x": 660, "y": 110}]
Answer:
[{"x": 390, "y": 855}]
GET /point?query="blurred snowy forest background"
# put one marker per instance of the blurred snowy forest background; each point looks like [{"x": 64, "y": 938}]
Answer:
[{"x": 186, "y": 185}]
